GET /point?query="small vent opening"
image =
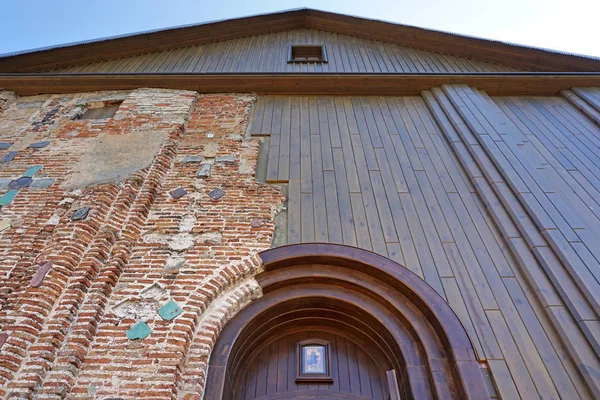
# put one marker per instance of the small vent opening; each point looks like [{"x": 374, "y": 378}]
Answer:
[{"x": 307, "y": 53}]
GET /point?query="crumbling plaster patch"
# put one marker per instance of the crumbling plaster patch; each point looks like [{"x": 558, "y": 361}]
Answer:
[{"x": 112, "y": 158}]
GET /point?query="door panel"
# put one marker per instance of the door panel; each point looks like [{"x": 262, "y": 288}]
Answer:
[{"x": 272, "y": 372}]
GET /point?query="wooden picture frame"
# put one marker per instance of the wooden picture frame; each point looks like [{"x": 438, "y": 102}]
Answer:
[{"x": 318, "y": 367}]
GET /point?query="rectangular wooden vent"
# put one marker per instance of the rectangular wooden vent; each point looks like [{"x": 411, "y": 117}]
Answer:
[{"x": 307, "y": 53}]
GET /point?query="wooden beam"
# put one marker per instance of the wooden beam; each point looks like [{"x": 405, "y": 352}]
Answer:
[{"x": 300, "y": 84}]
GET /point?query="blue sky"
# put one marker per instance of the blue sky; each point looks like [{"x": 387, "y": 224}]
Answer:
[{"x": 567, "y": 25}]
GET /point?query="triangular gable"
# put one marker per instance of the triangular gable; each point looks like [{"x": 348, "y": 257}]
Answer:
[
  {"x": 515, "y": 56},
  {"x": 269, "y": 53}
]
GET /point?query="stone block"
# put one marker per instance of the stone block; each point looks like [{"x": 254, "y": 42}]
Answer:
[
  {"x": 192, "y": 159},
  {"x": 204, "y": 171},
  {"x": 177, "y": 193},
  {"x": 174, "y": 263},
  {"x": 227, "y": 159},
  {"x": 187, "y": 223},
  {"x": 4, "y": 225},
  {"x": 217, "y": 193},
  {"x": 135, "y": 309},
  {"x": 181, "y": 241},
  {"x": 80, "y": 214},
  {"x": 5, "y": 145},
  {"x": 38, "y": 277}
]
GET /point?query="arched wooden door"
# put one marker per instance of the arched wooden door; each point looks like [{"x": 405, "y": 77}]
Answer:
[
  {"x": 351, "y": 370},
  {"x": 337, "y": 322}
]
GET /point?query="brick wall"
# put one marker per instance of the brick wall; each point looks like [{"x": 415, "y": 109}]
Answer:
[{"x": 67, "y": 334}]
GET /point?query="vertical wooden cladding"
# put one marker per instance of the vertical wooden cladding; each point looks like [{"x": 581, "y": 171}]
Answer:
[
  {"x": 525, "y": 150},
  {"x": 493, "y": 202},
  {"x": 269, "y": 53},
  {"x": 273, "y": 371}
]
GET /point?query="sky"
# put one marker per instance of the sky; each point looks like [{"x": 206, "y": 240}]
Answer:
[{"x": 565, "y": 25}]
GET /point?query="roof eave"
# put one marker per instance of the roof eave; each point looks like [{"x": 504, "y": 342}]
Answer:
[{"x": 518, "y": 56}]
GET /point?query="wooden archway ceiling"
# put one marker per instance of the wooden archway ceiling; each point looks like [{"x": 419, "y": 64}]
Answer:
[
  {"x": 478, "y": 49},
  {"x": 380, "y": 304}
]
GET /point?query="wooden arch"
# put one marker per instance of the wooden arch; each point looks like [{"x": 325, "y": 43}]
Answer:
[{"x": 375, "y": 299}]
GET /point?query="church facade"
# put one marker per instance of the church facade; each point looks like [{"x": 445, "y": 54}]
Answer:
[{"x": 299, "y": 205}]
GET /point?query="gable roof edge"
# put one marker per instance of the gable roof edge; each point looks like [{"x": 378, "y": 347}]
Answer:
[{"x": 516, "y": 55}]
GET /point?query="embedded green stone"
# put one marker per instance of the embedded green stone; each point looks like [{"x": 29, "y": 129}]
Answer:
[
  {"x": 140, "y": 330},
  {"x": 4, "y": 225},
  {"x": 31, "y": 171},
  {"x": 169, "y": 311},
  {"x": 8, "y": 197}
]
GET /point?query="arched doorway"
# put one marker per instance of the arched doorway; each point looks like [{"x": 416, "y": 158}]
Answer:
[{"x": 337, "y": 322}]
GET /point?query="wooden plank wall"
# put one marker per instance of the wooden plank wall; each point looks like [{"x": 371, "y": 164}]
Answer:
[
  {"x": 269, "y": 53},
  {"x": 494, "y": 202}
]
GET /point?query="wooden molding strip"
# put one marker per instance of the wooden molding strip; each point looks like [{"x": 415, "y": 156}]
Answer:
[{"x": 301, "y": 84}]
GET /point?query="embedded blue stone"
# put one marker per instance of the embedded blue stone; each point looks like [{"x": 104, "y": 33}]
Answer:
[
  {"x": 177, "y": 193},
  {"x": 140, "y": 330},
  {"x": 38, "y": 145},
  {"x": 42, "y": 183},
  {"x": 192, "y": 159},
  {"x": 20, "y": 183},
  {"x": 169, "y": 311},
  {"x": 5, "y": 145},
  {"x": 80, "y": 214},
  {"x": 217, "y": 193},
  {"x": 8, "y": 157}
]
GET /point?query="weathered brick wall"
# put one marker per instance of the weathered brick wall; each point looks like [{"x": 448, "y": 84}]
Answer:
[
  {"x": 138, "y": 249},
  {"x": 6, "y": 98}
]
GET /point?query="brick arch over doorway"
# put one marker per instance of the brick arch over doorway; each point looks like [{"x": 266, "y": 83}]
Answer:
[{"x": 370, "y": 299}]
